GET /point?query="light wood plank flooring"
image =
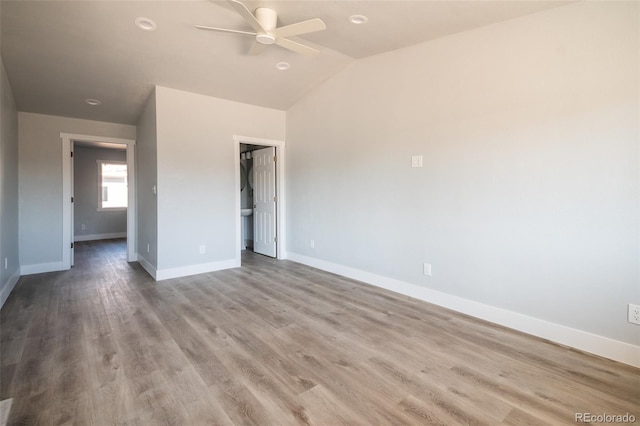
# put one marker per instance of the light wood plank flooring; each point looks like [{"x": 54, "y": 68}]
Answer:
[{"x": 276, "y": 343}]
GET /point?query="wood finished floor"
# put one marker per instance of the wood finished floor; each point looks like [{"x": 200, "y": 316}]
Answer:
[{"x": 276, "y": 343}]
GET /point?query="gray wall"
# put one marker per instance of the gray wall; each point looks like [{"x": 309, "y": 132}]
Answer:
[
  {"x": 529, "y": 195},
  {"x": 86, "y": 192},
  {"x": 8, "y": 187},
  {"x": 196, "y": 172},
  {"x": 146, "y": 178},
  {"x": 40, "y": 180}
]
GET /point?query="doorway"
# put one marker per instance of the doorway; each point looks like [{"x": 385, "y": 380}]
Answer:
[
  {"x": 68, "y": 142},
  {"x": 260, "y": 196},
  {"x": 258, "y": 199},
  {"x": 99, "y": 191}
]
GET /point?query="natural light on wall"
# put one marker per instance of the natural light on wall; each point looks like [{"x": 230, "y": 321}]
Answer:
[{"x": 113, "y": 185}]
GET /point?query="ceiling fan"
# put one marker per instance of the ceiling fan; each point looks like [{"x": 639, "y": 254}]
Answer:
[{"x": 264, "y": 23}]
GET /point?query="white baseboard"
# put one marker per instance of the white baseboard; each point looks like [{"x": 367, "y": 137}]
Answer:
[
  {"x": 40, "y": 268},
  {"x": 582, "y": 340},
  {"x": 202, "y": 268},
  {"x": 8, "y": 286},
  {"x": 147, "y": 266},
  {"x": 95, "y": 237}
]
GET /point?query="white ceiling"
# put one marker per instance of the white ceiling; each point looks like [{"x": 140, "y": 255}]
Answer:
[
  {"x": 59, "y": 53},
  {"x": 100, "y": 145}
]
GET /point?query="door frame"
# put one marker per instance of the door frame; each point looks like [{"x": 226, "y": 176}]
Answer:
[
  {"x": 281, "y": 233},
  {"x": 67, "y": 218}
]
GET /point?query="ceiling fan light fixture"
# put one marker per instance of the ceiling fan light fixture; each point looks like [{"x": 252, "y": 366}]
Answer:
[
  {"x": 92, "y": 102},
  {"x": 265, "y": 39},
  {"x": 146, "y": 24},
  {"x": 283, "y": 66},
  {"x": 358, "y": 19}
]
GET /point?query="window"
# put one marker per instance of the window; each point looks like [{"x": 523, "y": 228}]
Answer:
[{"x": 112, "y": 180}]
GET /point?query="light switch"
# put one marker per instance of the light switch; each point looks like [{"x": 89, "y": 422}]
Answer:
[
  {"x": 416, "y": 161},
  {"x": 426, "y": 269}
]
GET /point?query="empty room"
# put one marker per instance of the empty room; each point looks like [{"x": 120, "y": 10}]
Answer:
[{"x": 317, "y": 212}]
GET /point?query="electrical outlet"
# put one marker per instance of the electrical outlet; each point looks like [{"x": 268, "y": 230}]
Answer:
[
  {"x": 83, "y": 226},
  {"x": 203, "y": 249},
  {"x": 147, "y": 247},
  {"x": 6, "y": 263},
  {"x": 634, "y": 314},
  {"x": 426, "y": 269},
  {"x": 312, "y": 243}
]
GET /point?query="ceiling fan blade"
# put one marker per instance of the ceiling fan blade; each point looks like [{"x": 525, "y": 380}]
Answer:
[
  {"x": 304, "y": 27},
  {"x": 224, "y": 30},
  {"x": 247, "y": 15},
  {"x": 296, "y": 47},
  {"x": 256, "y": 48}
]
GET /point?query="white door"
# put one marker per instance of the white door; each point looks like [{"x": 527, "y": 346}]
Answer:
[{"x": 264, "y": 201}]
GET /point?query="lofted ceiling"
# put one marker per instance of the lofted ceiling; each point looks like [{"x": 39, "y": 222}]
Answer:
[{"x": 59, "y": 53}]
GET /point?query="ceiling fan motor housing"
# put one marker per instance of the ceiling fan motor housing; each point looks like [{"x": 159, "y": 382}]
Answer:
[{"x": 268, "y": 18}]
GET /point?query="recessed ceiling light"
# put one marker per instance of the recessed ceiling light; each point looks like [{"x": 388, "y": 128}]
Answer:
[
  {"x": 146, "y": 24},
  {"x": 282, "y": 66},
  {"x": 358, "y": 19},
  {"x": 92, "y": 102}
]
